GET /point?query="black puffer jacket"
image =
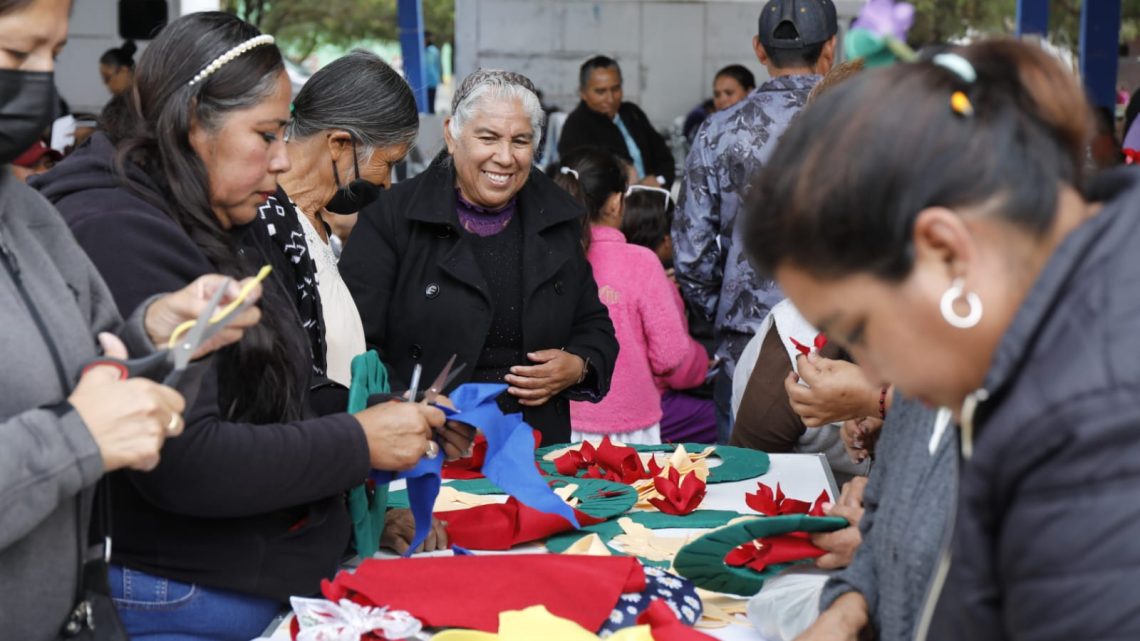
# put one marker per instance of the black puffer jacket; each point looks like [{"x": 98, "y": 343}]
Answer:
[{"x": 1047, "y": 540}]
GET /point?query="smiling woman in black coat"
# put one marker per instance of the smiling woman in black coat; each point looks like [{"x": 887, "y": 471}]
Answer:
[{"x": 481, "y": 256}]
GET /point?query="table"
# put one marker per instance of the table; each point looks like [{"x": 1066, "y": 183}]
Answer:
[{"x": 800, "y": 475}]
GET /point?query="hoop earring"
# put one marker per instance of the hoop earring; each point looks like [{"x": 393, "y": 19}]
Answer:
[{"x": 955, "y": 292}]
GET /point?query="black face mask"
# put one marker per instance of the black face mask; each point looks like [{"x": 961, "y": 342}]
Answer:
[
  {"x": 27, "y": 107},
  {"x": 352, "y": 197}
]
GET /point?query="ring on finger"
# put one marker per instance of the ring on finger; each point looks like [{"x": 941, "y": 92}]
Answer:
[
  {"x": 432, "y": 449},
  {"x": 172, "y": 424}
]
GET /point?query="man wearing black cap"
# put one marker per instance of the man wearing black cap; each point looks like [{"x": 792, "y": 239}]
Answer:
[{"x": 796, "y": 43}]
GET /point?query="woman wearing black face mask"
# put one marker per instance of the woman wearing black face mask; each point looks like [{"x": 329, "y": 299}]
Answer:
[
  {"x": 353, "y": 120},
  {"x": 62, "y": 428}
]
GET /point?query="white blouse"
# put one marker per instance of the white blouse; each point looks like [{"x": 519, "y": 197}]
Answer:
[{"x": 344, "y": 332}]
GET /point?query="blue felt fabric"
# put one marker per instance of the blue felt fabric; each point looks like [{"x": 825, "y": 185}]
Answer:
[{"x": 509, "y": 463}]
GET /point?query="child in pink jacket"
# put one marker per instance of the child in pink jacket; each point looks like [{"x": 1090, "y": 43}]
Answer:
[{"x": 644, "y": 305}]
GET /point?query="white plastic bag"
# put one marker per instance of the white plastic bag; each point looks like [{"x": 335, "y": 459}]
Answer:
[{"x": 787, "y": 604}]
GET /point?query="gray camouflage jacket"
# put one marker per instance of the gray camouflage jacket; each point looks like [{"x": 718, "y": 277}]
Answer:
[{"x": 729, "y": 149}]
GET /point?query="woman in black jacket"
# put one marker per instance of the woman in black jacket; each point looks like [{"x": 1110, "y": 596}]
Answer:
[
  {"x": 247, "y": 508},
  {"x": 932, "y": 218},
  {"x": 481, "y": 256}
]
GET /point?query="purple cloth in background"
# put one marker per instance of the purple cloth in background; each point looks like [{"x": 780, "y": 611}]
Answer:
[
  {"x": 483, "y": 222},
  {"x": 687, "y": 419}
]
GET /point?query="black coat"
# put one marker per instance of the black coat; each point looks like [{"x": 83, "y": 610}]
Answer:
[
  {"x": 422, "y": 296},
  {"x": 251, "y": 508},
  {"x": 1047, "y": 539},
  {"x": 585, "y": 127}
]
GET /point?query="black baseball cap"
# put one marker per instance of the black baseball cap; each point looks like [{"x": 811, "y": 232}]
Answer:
[{"x": 813, "y": 21}]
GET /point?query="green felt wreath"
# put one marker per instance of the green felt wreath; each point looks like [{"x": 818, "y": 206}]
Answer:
[
  {"x": 736, "y": 463},
  {"x": 702, "y": 560},
  {"x": 607, "y": 530},
  {"x": 589, "y": 494}
]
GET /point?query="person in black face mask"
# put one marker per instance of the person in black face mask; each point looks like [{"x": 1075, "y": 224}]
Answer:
[
  {"x": 63, "y": 425},
  {"x": 352, "y": 121}
]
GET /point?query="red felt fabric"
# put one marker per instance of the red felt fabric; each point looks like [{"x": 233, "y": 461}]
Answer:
[
  {"x": 502, "y": 526},
  {"x": 607, "y": 461},
  {"x": 471, "y": 591},
  {"x": 773, "y": 550},
  {"x": 679, "y": 495},
  {"x": 770, "y": 503},
  {"x": 665, "y": 625}
]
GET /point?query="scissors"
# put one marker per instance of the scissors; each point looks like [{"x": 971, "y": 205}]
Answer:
[
  {"x": 441, "y": 382},
  {"x": 185, "y": 339}
]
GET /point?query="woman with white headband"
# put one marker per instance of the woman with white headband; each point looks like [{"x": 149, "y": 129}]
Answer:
[
  {"x": 247, "y": 508},
  {"x": 656, "y": 351},
  {"x": 933, "y": 219}
]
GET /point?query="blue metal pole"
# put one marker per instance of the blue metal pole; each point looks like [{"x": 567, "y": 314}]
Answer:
[
  {"x": 410, "y": 18},
  {"x": 1033, "y": 17},
  {"x": 1100, "y": 50}
]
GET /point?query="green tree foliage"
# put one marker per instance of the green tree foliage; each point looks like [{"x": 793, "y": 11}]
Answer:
[
  {"x": 304, "y": 25},
  {"x": 937, "y": 21}
]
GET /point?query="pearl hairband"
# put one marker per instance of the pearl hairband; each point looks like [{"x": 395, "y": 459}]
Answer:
[{"x": 230, "y": 55}]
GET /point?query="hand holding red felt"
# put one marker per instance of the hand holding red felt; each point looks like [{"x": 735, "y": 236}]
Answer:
[
  {"x": 770, "y": 503},
  {"x": 501, "y": 526},
  {"x": 679, "y": 495},
  {"x": 819, "y": 343},
  {"x": 471, "y": 467},
  {"x": 773, "y": 550},
  {"x": 470, "y": 591}
]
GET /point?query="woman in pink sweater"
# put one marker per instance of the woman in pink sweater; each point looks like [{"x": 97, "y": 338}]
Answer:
[{"x": 645, "y": 308}]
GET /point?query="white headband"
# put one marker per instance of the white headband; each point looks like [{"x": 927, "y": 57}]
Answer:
[
  {"x": 208, "y": 70},
  {"x": 957, "y": 65},
  {"x": 572, "y": 172},
  {"x": 659, "y": 190}
]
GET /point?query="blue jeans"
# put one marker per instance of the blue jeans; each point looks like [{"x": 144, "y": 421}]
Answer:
[
  {"x": 158, "y": 609},
  {"x": 722, "y": 397}
]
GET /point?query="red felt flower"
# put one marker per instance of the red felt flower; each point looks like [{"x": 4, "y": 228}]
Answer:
[
  {"x": 582, "y": 458},
  {"x": 768, "y": 503},
  {"x": 679, "y": 495},
  {"x": 819, "y": 342},
  {"x": 774, "y": 550},
  {"x": 622, "y": 460}
]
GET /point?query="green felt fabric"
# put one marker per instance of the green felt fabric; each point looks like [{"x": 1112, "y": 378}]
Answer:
[
  {"x": 369, "y": 376},
  {"x": 607, "y": 530},
  {"x": 702, "y": 560},
  {"x": 737, "y": 463},
  {"x": 602, "y": 507}
]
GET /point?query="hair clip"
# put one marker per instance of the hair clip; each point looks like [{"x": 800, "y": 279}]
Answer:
[
  {"x": 229, "y": 56},
  {"x": 957, "y": 65},
  {"x": 660, "y": 190},
  {"x": 961, "y": 105},
  {"x": 570, "y": 171}
]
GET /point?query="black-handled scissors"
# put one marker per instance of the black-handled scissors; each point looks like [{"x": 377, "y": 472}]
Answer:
[{"x": 168, "y": 365}]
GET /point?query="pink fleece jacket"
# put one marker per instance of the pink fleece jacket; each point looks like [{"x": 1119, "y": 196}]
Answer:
[{"x": 649, "y": 321}]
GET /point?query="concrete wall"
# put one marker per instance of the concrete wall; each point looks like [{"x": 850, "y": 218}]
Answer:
[
  {"x": 669, "y": 50},
  {"x": 94, "y": 29}
]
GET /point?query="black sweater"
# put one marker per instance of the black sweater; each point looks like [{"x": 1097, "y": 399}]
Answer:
[{"x": 251, "y": 508}]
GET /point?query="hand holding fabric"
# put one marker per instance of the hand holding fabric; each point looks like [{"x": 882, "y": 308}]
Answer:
[
  {"x": 167, "y": 312},
  {"x": 843, "y": 621},
  {"x": 836, "y": 391},
  {"x": 555, "y": 371},
  {"x": 400, "y": 531},
  {"x": 398, "y": 433},
  {"x": 129, "y": 419},
  {"x": 859, "y": 437}
]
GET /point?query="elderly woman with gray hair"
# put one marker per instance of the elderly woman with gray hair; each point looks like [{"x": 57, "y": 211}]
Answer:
[
  {"x": 351, "y": 122},
  {"x": 481, "y": 256}
]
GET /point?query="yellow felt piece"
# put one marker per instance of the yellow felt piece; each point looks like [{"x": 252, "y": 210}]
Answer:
[
  {"x": 721, "y": 610},
  {"x": 537, "y": 622},
  {"x": 589, "y": 546},
  {"x": 641, "y": 541},
  {"x": 451, "y": 499},
  {"x": 566, "y": 493}
]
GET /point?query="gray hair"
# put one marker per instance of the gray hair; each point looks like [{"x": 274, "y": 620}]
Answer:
[
  {"x": 500, "y": 85},
  {"x": 358, "y": 93}
]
